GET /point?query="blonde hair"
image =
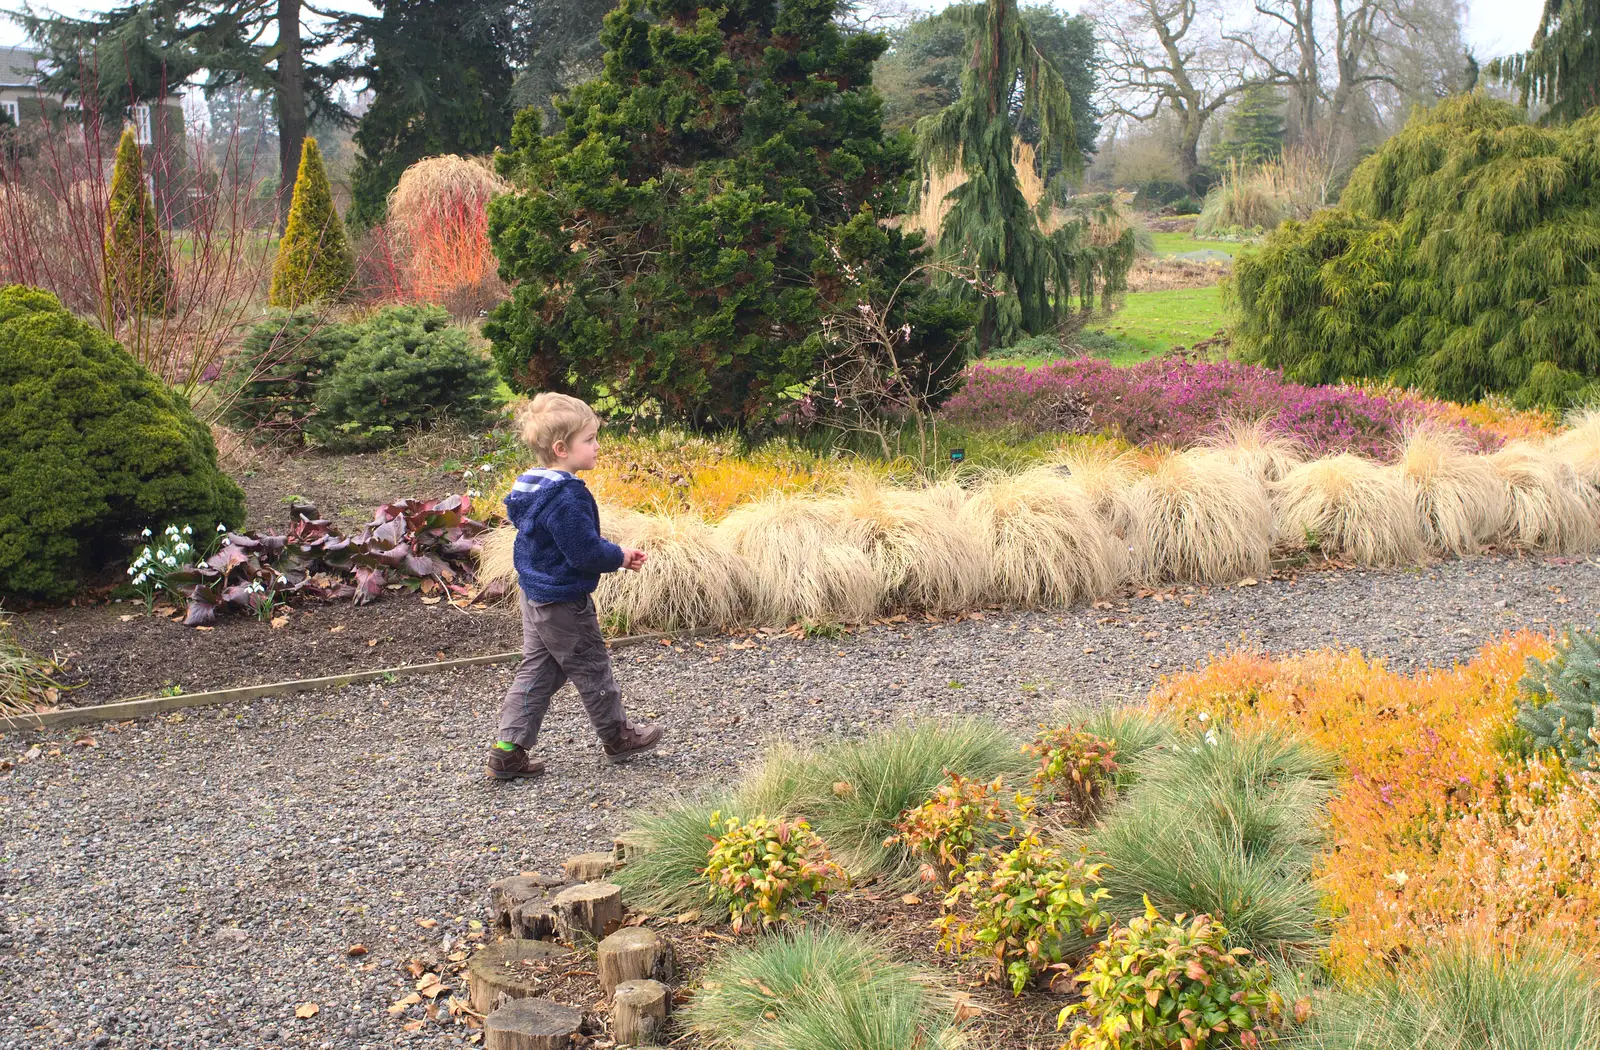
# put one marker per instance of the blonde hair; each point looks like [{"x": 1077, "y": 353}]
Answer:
[{"x": 549, "y": 418}]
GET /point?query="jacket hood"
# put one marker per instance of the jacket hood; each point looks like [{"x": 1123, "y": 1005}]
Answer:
[{"x": 533, "y": 489}]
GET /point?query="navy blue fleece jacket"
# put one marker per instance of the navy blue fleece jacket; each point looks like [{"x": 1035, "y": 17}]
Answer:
[{"x": 559, "y": 553}]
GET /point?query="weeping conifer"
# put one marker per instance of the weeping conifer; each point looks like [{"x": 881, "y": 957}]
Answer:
[
  {"x": 138, "y": 272},
  {"x": 1463, "y": 259},
  {"x": 990, "y": 225},
  {"x": 1562, "y": 68}
]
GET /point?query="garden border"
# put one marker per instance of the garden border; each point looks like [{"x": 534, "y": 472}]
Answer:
[{"x": 143, "y": 707}]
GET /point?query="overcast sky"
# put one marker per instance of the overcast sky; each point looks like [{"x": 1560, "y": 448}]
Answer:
[{"x": 1494, "y": 27}]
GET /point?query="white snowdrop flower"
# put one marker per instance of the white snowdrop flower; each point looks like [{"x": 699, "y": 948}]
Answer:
[
  {"x": 188, "y": 531},
  {"x": 131, "y": 569},
  {"x": 221, "y": 527},
  {"x": 467, "y": 475},
  {"x": 283, "y": 579},
  {"x": 1202, "y": 716},
  {"x": 146, "y": 532},
  {"x": 486, "y": 467}
]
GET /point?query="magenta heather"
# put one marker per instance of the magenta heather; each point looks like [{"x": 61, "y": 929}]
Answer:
[{"x": 1175, "y": 402}]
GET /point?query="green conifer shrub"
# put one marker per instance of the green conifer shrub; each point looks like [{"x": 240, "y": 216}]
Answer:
[
  {"x": 92, "y": 449},
  {"x": 672, "y": 245},
  {"x": 1560, "y": 704},
  {"x": 1459, "y": 261},
  {"x": 278, "y": 368},
  {"x": 138, "y": 272},
  {"x": 315, "y": 262},
  {"x": 406, "y": 367}
]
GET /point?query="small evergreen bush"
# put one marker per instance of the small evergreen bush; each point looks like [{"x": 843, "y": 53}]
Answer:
[
  {"x": 92, "y": 449},
  {"x": 315, "y": 261},
  {"x": 1560, "y": 704},
  {"x": 138, "y": 272},
  {"x": 278, "y": 369},
  {"x": 406, "y": 367}
]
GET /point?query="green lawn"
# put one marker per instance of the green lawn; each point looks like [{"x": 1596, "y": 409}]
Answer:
[
  {"x": 1147, "y": 325},
  {"x": 1168, "y": 244}
]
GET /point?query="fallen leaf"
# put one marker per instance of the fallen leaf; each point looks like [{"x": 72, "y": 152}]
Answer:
[
  {"x": 305, "y": 1010},
  {"x": 125, "y": 617},
  {"x": 415, "y": 968},
  {"x": 205, "y": 628},
  {"x": 336, "y": 630},
  {"x": 910, "y": 899},
  {"x": 85, "y": 741},
  {"x": 427, "y": 924},
  {"x": 412, "y": 1026},
  {"x": 667, "y": 642},
  {"x": 279, "y": 621},
  {"x": 966, "y": 1009},
  {"x": 843, "y": 788},
  {"x": 371, "y": 642},
  {"x": 399, "y": 1005},
  {"x": 356, "y": 949},
  {"x": 432, "y": 601},
  {"x": 687, "y": 917},
  {"x": 457, "y": 957},
  {"x": 1248, "y": 581}
]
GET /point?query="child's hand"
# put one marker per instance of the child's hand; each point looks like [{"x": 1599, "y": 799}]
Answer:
[{"x": 632, "y": 559}]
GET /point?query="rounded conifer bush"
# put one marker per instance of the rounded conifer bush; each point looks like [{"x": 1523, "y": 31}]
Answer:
[
  {"x": 406, "y": 368},
  {"x": 93, "y": 448},
  {"x": 278, "y": 369},
  {"x": 1460, "y": 261}
]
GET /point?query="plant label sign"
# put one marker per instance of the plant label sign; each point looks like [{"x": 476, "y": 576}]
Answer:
[{"x": 957, "y": 455}]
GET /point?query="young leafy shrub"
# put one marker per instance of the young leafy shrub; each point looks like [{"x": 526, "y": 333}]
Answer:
[
  {"x": 962, "y": 817},
  {"x": 92, "y": 448},
  {"x": 816, "y": 988},
  {"x": 1466, "y": 994},
  {"x": 407, "y": 368},
  {"x": 1075, "y": 766},
  {"x": 138, "y": 271},
  {"x": 1560, "y": 704},
  {"x": 277, "y": 371},
  {"x": 1030, "y": 906},
  {"x": 1155, "y": 984},
  {"x": 1349, "y": 507},
  {"x": 763, "y": 868},
  {"x": 315, "y": 261}
]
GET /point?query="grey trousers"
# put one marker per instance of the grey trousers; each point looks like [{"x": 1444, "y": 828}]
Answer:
[{"x": 561, "y": 642}]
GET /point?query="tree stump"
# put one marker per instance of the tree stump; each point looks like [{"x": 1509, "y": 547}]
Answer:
[
  {"x": 591, "y": 910},
  {"x": 639, "y": 1012},
  {"x": 590, "y": 867},
  {"x": 534, "y": 920},
  {"x": 505, "y": 895},
  {"x": 633, "y": 954},
  {"x": 531, "y": 1024},
  {"x": 510, "y": 970}
]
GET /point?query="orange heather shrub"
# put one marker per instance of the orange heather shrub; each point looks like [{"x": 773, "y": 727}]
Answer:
[{"x": 1438, "y": 824}]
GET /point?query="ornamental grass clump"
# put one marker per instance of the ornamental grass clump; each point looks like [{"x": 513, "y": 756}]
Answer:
[
  {"x": 802, "y": 568},
  {"x": 1459, "y": 500},
  {"x": 1255, "y": 448},
  {"x": 1027, "y": 908},
  {"x": 1200, "y": 520},
  {"x": 818, "y": 988},
  {"x": 692, "y": 580},
  {"x": 438, "y": 213},
  {"x": 1578, "y": 446},
  {"x": 1154, "y": 984},
  {"x": 1350, "y": 508},
  {"x": 1551, "y": 509},
  {"x": 761, "y": 869},
  {"x": 28, "y": 680},
  {"x": 1104, "y": 474},
  {"x": 923, "y": 557},
  {"x": 1046, "y": 545}
]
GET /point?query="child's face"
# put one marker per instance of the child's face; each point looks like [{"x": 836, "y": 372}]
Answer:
[{"x": 582, "y": 452}]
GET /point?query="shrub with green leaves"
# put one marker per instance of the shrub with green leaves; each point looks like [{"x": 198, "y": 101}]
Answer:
[
  {"x": 962, "y": 817},
  {"x": 406, "y": 368},
  {"x": 817, "y": 988},
  {"x": 93, "y": 447},
  {"x": 278, "y": 369},
  {"x": 1075, "y": 766},
  {"x": 1155, "y": 984},
  {"x": 1456, "y": 262},
  {"x": 1559, "y": 708},
  {"x": 762, "y": 868},
  {"x": 1030, "y": 907}
]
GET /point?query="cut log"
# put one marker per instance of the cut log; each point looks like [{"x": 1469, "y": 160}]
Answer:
[
  {"x": 531, "y": 1024},
  {"x": 633, "y": 954},
  {"x": 590, "y": 911},
  {"x": 639, "y": 1012},
  {"x": 534, "y": 920},
  {"x": 512, "y": 969},
  {"x": 589, "y": 867},
  {"x": 506, "y": 894}
]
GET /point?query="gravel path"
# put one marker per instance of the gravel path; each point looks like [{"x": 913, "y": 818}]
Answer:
[{"x": 188, "y": 881}]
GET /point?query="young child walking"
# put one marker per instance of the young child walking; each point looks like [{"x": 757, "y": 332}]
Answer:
[{"x": 559, "y": 555}]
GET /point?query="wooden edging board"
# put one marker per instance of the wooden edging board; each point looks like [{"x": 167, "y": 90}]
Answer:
[{"x": 146, "y": 706}]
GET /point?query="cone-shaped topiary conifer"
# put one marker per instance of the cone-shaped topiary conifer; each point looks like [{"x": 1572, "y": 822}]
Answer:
[
  {"x": 1461, "y": 260},
  {"x": 138, "y": 272},
  {"x": 676, "y": 244},
  {"x": 314, "y": 258}
]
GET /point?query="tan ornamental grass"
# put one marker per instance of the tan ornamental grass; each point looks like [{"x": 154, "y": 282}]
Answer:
[
  {"x": 802, "y": 568},
  {"x": 691, "y": 578},
  {"x": 1578, "y": 446},
  {"x": 1047, "y": 546},
  {"x": 1199, "y": 519},
  {"x": 1105, "y": 476},
  {"x": 1551, "y": 508},
  {"x": 1254, "y": 448},
  {"x": 1350, "y": 507},
  {"x": 1459, "y": 500},
  {"x": 922, "y": 554},
  {"x": 496, "y": 554}
]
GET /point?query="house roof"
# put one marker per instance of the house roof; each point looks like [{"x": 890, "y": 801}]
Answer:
[{"x": 19, "y": 67}]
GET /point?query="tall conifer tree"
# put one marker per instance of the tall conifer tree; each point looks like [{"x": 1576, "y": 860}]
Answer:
[
  {"x": 138, "y": 272},
  {"x": 314, "y": 258},
  {"x": 1562, "y": 68}
]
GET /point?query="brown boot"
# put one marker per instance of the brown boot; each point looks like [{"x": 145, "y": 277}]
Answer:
[
  {"x": 635, "y": 740},
  {"x": 510, "y": 765}
]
